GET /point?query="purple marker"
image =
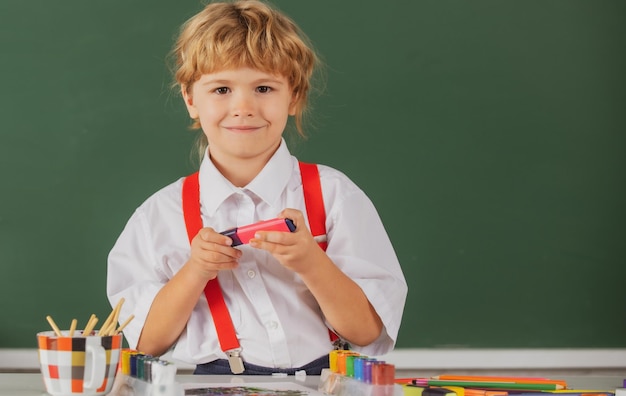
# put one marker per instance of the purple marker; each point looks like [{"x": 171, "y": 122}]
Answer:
[{"x": 367, "y": 369}]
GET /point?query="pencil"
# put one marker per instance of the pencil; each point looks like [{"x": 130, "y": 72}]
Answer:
[
  {"x": 72, "y": 328},
  {"x": 127, "y": 321},
  {"x": 484, "y": 377},
  {"x": 109, "y": 324},
  {"x": 488, "y": 384},
  {"x": 111, "y": 329},
  {"x": 483, "y": 392},
  {"x": 106, "y": 323},
  {"x": 116, "y": 318},
  {"x": 54, "y": 326},
  {"x": 90, "y": 325},
  {"x": 517, "y": 380}
]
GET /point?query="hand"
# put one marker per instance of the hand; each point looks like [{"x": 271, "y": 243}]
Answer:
[
  {"x": 211, "y": 252},
  {"x": 295, "y": 249}
]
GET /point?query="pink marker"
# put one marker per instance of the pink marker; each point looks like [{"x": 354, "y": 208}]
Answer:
[{"x": 242, "y": 235}]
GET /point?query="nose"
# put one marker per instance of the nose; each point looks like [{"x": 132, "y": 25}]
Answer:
[{"x": 243, "y": 105}]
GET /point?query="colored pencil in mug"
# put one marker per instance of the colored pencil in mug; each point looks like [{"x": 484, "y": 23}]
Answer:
[
  {"x": 54, "y": 326},
  {"x": 72, "y": 327},
  {"x": 91, "y": 323}
]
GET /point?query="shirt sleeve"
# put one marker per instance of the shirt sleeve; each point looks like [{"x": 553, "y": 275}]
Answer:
[
  {"x": 360, "y": 247},
  {"x": 133, "y": 274}
]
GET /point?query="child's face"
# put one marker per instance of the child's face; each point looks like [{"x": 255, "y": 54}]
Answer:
[{"x": 243, "y": 113}]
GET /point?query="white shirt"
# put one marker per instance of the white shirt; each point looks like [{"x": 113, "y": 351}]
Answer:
[{"x": 277, "y": 320}]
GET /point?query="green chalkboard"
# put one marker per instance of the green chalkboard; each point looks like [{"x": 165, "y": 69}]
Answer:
[{"x": 491, "y": 136}]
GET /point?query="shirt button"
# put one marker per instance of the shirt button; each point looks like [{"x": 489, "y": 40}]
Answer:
[
  {"x": 272, "y": 325},
  {"x": 251, "y": 274}
]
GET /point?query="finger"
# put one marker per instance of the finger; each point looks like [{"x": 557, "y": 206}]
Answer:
[
  {"x": 295, "y": 215},
  {"x": 214, "y": 257},
  {"x": 212, "y": 268},
  {"x": 216, "y": 252},
  {"x": 229, "y": 265},
  {"x": 208, "y": 234},
  {"x": 276, "y": 237},
  {"x": 271, "y": 247},
  {"x": 215, "y": 243}
]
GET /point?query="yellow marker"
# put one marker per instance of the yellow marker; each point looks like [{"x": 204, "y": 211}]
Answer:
[
  {"x": 456, "y": 389},
  {"x": 126, "y": 353},
  {"x": 412, "y": 390}
]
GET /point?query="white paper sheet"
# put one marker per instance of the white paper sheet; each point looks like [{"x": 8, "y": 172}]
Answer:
[{"x": 248, "y": 386}]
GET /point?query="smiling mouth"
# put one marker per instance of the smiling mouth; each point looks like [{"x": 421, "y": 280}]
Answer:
[{"x": 242, "y": 128}]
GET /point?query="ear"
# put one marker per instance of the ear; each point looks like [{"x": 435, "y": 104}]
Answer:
[
  {"x": 292, "y": 105},
  {"x": 191, "y": 109}
]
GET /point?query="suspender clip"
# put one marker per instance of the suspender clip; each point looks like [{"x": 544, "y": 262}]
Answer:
[
  {"x": 234, "y": 361},
  {"x": 341, "y": 345}
]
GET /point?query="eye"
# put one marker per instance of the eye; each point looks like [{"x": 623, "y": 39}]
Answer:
[
  {"x": 264, "y": 89},
  {"x": 221, "y": 90}
]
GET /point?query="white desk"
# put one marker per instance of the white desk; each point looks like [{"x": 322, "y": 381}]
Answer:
[{"x": 31, "y": 384}]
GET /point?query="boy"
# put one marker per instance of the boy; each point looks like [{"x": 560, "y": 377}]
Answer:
[{"x": 243, "y": 69}]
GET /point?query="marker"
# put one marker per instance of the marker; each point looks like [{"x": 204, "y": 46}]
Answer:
[
  {"x": 412, "y": 390},
  {"x": 342, "y": 361},
  {"x": 242, "y": 235},
  {"x": 133, "y": 364},
  {"x": 332, "y": 360},
  {"x": 438, "y": 392},
  {"x": 359, "y": 373},
  {"x": 460, "y": 391},
  {"x": 140, "y": 365},
  {"x": 384, "y": 374},
  {"x": 367, "y": 370},
  {"x": 350, "y": 365},
  {"x": 125, "y": 360}
]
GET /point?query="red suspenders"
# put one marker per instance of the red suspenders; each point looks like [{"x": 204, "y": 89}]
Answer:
[
  {"x": 314, "y": 201},
  {"x": 316, "y": 213},
  {"x": 225, "y": 330}
]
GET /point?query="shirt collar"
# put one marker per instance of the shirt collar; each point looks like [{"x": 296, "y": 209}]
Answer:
[{"x": 267, "y": 185}]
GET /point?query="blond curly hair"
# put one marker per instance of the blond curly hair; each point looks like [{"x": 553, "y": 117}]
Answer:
[{"x": 244, "y": 33}]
